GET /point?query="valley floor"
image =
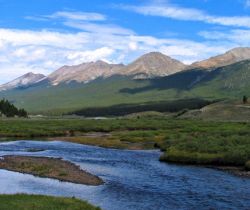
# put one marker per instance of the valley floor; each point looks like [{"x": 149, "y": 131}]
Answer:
[
  {"x": 221, "y": 145},
  {"x": 182, "y": 141}
]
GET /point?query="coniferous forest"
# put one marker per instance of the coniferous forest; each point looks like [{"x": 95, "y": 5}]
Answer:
[{"x": 7, "y": 109}]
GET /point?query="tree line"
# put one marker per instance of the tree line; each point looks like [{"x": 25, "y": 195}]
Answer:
[
  {"x": 125, "y": 109},
  {"x": 9, "y": 110}
]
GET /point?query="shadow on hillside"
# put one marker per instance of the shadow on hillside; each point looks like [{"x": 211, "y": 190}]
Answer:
[
  {"x": 179, "y": 81},
  {"x": 189, "y": 79}
]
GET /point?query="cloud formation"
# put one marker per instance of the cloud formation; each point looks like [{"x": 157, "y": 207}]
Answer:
[
  {"x": 96, "y": 38},
  {"x": 247, "y": 3},
  {"x": 44, "y": 51},
  {"x": 86, "y": 16},
  {"x": 188, "y": 14}
]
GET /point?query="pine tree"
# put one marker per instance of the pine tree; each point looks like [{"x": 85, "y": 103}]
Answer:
[{"x": 9, "y": 110}]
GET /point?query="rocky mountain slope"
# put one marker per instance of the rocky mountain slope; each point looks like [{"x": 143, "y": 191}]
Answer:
[
  {"x": 152, "y": 65},
  {"x": 84, "y": 73},
  {"x": 148, "y": 66},
  {"x": 230, "y": 57},
  {"x": 23, "y": 81}
]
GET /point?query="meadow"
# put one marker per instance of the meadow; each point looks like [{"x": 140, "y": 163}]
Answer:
[{"x": 182, "y": 141}]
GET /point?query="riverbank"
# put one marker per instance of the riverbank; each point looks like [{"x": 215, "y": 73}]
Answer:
[
  {"x": 237, "y": 171},
  {"x": 50, "y": 168},
  {"x": 194, "y": 142},
  {"x": 112, "y": 140},
  {"x": 39, "y": 202},
  {"x": 130, "y": 177}
]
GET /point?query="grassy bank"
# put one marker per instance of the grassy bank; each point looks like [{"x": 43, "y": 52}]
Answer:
[
  {"x": 183, "y": 141},
  {"x": 50, "y": 168},
  {"x": 38, "y": 202}
]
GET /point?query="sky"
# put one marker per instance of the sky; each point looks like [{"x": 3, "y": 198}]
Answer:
[{"x": 42, "y": 35}]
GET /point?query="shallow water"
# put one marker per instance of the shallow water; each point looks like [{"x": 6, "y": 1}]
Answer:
[{"x": 133, "y": 179}]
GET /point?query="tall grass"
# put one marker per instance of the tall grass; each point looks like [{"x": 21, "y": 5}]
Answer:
[{"x": 38, "y": 202}]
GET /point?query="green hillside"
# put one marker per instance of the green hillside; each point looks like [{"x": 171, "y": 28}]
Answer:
[
  {"x": 226, "y": 82},
  {"x": 221, "y": 111},
  {"x": 70, "y": 97}
]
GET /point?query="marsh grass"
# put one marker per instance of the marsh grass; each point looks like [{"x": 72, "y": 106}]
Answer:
[
  {"x": 38, "y": 202},
  {"x": 185, "y": 141}
]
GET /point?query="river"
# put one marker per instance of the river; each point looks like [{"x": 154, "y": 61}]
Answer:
[{"x": 134, "y": 180}]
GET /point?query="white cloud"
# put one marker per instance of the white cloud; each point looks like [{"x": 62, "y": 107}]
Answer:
[
  {"x": 90, "y": 55},
  {"x": 188, "y": 14},
  {"x": 15, "y": 70},
  {"x": 44, "y": 51},
  {"x": 238, "y": 36},
  {"x": 85, "y": 16},
  {"x": 27, "y": 37},
  {"x": 98, "y": 28},
  {"x": 133, "y": 45},
  {"x": 247, "y": 3}
]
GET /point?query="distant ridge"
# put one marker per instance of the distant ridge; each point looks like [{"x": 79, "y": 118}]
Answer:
[
  {"x": 228, "y": 82},
  {"x": 232, "y": 56},
  {"x": 23, "y": 81},
  {"x": 84, "y": 73},
  {"x": 148, "y": 66}
]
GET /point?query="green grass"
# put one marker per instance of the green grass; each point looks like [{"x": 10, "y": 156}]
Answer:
[
  {"x": 230, "y": 110},
  {"x": 208, "y": 143},
  {"x": 38, "y": 202},
  {"x": 184, "y": 141},
  {"x": 23, "y": 128}
]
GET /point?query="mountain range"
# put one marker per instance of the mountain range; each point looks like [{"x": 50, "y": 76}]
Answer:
[
  {"x": 150, "y": 65},
  {"x": 23, "y": 81},
  {"x": 152, "y": 77}
]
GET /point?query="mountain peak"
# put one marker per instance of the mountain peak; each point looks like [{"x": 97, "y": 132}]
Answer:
[
  {"x": 232, "y": 56},
  {"x": 240, "y": 53},
  {"x": 29, "y": 74},
  {"x": 100, "y": 62},
  {"x": 84, "y": 72},
  {"x": 23, "y": 81},
  {"x": 154, "y": 55},
  {"x": 239, "y": 50},
  {"x": 153, "y": 64}
]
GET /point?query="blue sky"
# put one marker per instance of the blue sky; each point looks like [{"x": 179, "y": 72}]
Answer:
[{"x": 43, "y": 35}]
